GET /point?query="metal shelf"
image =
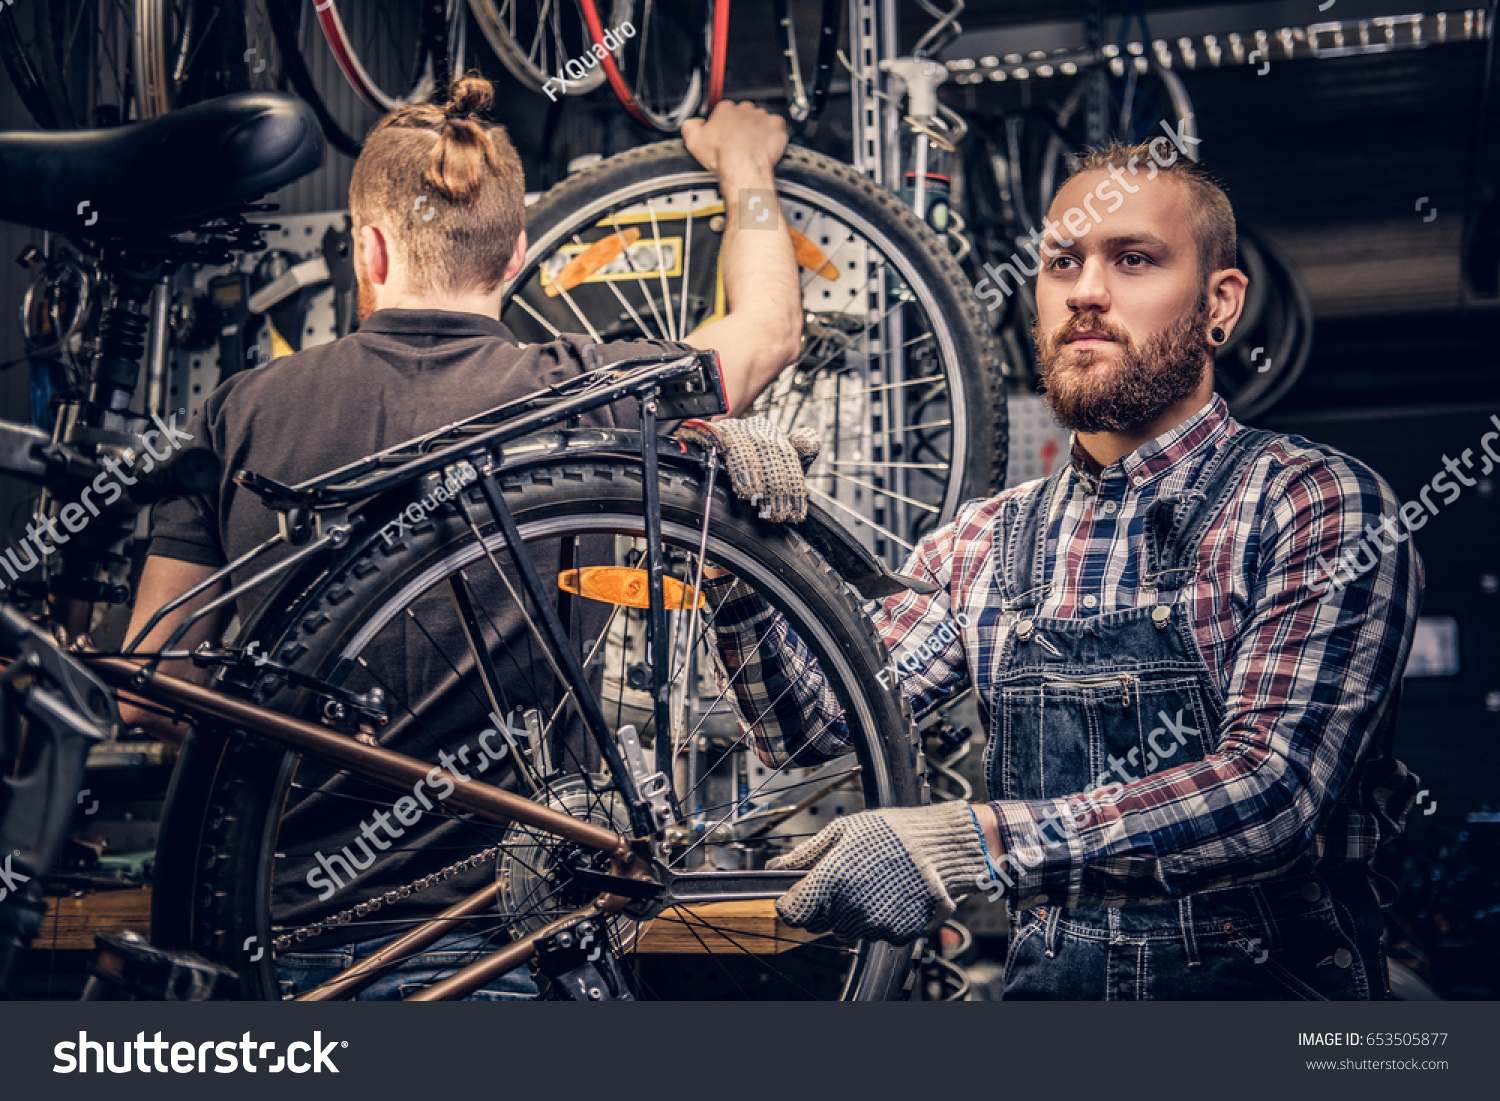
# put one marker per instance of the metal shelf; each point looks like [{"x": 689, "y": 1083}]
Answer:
[{"x": 970, "y": 61}]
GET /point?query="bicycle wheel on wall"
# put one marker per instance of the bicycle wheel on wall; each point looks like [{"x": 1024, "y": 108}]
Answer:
[
  {"x": 537, "y": 38},
  {"x": 898, "y": 373},
  {"x": 390, "y": 53},
  {"x": 249, "y": 873},
  {"x": 671, "y": 59},
  {"x": 70, "y": 60}
]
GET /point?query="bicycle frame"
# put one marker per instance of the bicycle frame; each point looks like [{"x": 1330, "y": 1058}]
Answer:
[{"x": 684, "y": 385}]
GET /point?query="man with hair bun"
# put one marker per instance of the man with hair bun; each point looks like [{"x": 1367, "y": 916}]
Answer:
[{"x": 437, "y": 201}]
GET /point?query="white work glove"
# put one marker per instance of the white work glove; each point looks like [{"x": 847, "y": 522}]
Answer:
[{"x": 887, "y": 875}]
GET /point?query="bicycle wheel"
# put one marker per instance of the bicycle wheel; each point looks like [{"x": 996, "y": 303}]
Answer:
[
  {"x": 658, "y": 74},
  {"x": 1138, "y": 95},
  {"x": 898, "y": 373},
  {"x": 70, "y": 60},
  {"x": 807, "y": 97},
  {"x": 250, "y": 854},
  {"x": 1270, "y": 346},
  {"x": 391, "y": 54},
  {"x": 535, "y": 40}
]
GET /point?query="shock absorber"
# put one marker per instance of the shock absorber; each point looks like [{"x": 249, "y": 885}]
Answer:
[
  {"x": 88, "y": 549},
  {"x": 122, "y": 342}
]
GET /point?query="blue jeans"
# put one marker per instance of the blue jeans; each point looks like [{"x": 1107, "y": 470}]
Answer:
[
  {"x": 1298, "y": 938},
  {"x": 300, "y": 972}
]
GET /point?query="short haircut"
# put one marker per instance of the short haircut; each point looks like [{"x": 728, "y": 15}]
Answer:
[
  {"x": 1213, "y": 217},
  {"x": 446, "y": 187}
]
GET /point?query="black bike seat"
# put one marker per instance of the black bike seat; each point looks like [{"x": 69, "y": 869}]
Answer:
[{"x": 164, "y": 174}]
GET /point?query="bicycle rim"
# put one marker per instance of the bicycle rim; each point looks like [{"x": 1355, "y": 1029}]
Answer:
[
  {"x": 658, "y": 76},
  {"x": 807, "y": 98},
  {"x": 385, "y": 51},
  {"x": 262, "y": 798},
  {"x": 535, "y": 40},
  {"x": 70, "y": 60},
  {"x": 898, "y": 374}
]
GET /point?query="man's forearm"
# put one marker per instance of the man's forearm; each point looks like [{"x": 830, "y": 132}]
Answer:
[
  {"x": 764, "y": 294},
  {"x": 776, "y": 689},
  {"x": 162, "y": 580}
]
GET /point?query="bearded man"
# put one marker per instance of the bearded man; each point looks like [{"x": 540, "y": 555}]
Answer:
[{"x": 1188, "y": 732}]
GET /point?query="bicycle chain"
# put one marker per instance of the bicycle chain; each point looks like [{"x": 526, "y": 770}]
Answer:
[{"x": 343, "y": 917}]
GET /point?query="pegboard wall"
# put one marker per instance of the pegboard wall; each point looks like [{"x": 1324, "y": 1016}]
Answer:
[{"x": 200, "y": 321}]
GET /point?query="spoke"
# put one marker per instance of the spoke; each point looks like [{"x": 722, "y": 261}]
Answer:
[
  {"x": 886, "y": 492},
  {"x": 537, "y": 39},
  {"x": 863, "y": 519},
  {"x": 661, "y": 272},
  {"x": 687, "y": 262},
  {"x": 761, "y": 959},
  {"x": 568, "y": 298},
  {"x": 777, "y": 771},
  {"x": 661, "y": 329},
  {"x": 520, "y": 300},
  {"x": 629, "y": 309},
  {"x": 883, "y": 465}
]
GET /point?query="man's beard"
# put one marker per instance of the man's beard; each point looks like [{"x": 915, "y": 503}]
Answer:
[{"x": 1145, "y": 381}]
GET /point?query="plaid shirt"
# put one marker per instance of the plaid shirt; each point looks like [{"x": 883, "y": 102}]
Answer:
[{"x": 1302, "y": 761}]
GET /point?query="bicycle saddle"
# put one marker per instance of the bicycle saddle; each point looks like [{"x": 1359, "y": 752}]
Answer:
[{"x": 165, "y": 174}]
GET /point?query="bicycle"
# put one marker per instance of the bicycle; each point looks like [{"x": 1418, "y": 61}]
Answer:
[
  {"x": 899, "y": 373},
  {"x": 657, "y": 862}
]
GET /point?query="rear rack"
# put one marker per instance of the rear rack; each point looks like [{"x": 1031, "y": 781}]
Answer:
[
  {"x": 314, "y": 513},
  {"x": 683, "y": 386}
]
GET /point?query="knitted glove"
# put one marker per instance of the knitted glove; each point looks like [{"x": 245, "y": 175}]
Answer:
[
  {"x": 884, "y": 874},
  {"x": 765, "y": 467}
]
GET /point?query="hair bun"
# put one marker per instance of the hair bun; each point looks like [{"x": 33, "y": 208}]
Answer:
[{"x": 469, "y": 95}]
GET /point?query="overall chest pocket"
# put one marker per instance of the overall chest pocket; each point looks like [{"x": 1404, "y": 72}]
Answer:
[{"x": 1060, "y": 734}]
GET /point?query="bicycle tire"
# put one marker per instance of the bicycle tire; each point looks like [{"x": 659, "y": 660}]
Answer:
[
  {"x": 970, "y": 361},
  {"x": 67, "y": 40},
  {"x": 285, "y": 20},
  {"x": 432, "y": 31},
  {"x": 676, "y": 107},
  {"x": 24, "y": 76},
  {"x": 221, "y": 905},
  {"x": 1277, "y": 322},
  {"x": 519, "y": 61},
  {"x": 284, "y": 16}
]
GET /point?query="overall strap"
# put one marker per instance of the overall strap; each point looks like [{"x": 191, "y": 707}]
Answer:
[
  {"x": 1022, "y": 547},
  {"x": 1175, "y": 526}
]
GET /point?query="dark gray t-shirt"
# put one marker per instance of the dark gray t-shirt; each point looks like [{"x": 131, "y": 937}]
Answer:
[{"x": 404, "y": 373}]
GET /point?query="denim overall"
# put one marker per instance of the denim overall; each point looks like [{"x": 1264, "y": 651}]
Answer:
[{"x": 1132, "y": 685}]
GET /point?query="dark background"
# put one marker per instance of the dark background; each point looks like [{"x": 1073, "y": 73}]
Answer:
[{"x": 1325, "y": 157}]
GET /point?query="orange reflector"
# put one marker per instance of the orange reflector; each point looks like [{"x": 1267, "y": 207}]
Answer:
[
  {"x": 591, "y": 259},
  {"x": 629, "y": 588},
  {"x": 811, "y": 257}
]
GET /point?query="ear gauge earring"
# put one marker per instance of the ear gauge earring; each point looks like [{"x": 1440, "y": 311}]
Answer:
[{"x": 1216, "y": 334}]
